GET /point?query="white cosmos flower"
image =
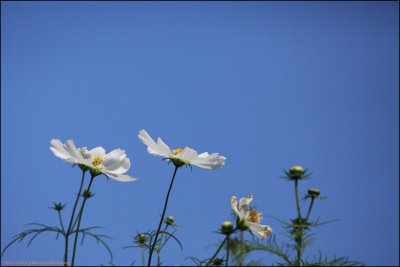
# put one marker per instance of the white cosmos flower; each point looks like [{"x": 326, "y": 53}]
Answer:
[
  {"x": 113, "y": 164},
  {"x": 181, "y": 156},
  {"x": 250, "y": 217}
]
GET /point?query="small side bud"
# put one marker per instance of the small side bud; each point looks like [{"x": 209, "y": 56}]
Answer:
[
  {"x": 313, "y": 192},
  {"x": 58, "y": 206},
  {"x": 170, "y": 220},
  {"x": 87, "y": 193},
  {"x": 217, "y": 262},
  {"x": 141, "y": 238},
  {"x": 226, "y": 228}
]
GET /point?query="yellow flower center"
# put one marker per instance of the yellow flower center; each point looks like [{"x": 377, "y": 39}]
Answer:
[
  {"x": 177, "y": 151},
  {"x": 97, "y": 160},
  {"x": 254, "y": 216}
]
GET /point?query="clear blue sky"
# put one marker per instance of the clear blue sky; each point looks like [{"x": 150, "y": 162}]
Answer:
[{"x": 266, "y": 84}]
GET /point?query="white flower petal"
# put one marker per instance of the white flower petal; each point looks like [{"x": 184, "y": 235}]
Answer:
[
  {"x": 213, "y": 161},
  {"x": 120, "y": 177},
  {"x": 119, "y": 167},
  {"x": 84, "y": 152},
  {"x": 113, "y": 159},
  {"x": 260, "y": 230},
  {"x": 75, "y": 153},
  {"x": 234, "y": 205},
  {"x": 244, "y": 206},
  {"x": 59, "y": 151},
  {"x": 165, "y": 149},
  {"x": 97, "y": 152},
  {"x": 188, "y": 154},
  {"x": 152, "y": 147}
]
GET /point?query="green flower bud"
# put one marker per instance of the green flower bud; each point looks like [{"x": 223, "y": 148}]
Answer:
[
  {"x": 58, "y": 206},
  {"x": 295, "y": 173},
  {"x": 313, "y": 192},
  {"x": 226, "y": 227},
  {"x": 170, "y": 220},
  {"x": 87, "y": 193},
  {"x": 217, "y": 262},
  {"x": 141, "y": 238}
]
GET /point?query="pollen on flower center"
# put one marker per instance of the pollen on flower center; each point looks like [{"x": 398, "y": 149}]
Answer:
[
  {"x": 97, "y": 160},
  {"x": 177, "y": 151},
  {"x": 254, "y": 216}
]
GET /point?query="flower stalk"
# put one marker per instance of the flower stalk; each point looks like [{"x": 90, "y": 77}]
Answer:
[
  {"x": 86, "y": 195},
  {"x": 152, "y": 247},
  {"x": 67, "y": 234}
]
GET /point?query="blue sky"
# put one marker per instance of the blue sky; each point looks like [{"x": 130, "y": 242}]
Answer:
[{"x": 266, "y": 84}]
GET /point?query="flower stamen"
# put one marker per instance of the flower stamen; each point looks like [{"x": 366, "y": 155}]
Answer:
[
  {"x": 177, "y": 151},
  {"x": 254, "y": 216},
  {"x": 97, "y": 161}
]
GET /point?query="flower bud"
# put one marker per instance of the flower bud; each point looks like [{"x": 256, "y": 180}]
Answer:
[
  {"x": 296, "y": 172},
  {"x": 226, "y": 227},
  {"x": 87, "y": 193},
  {"x": 170, "y": 220},
  {"x": 217, "y": 262},
  {"x": 313, "y": 192},
  {"x": 58, "y": 206},
  {"x": 141, "y": 238}
]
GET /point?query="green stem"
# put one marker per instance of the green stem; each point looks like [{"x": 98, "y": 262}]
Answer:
[
  {"x": 79, "y": 221},
  {"x": 241, "y": 251},
  {"x": 72, "y": 218},
  {"x": 161, "y": 245},
  {"x": 143, "y": 256},
  {"x": 162, "y": 217},
  {"x": 296, "y": 191},
  {"x": 310, "y": 208},
  {"x": 216, "y": 252},
  {"x": 299, "y": 228},
  {"x": 61, "y": 223},
  {"x": 227, "y": 251}
]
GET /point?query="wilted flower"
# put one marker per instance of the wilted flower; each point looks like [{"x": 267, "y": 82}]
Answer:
[
  {"x": 181, "y": 156},
  {"x": 248, "y": 218},
  {"x": 113, "y": 164}
]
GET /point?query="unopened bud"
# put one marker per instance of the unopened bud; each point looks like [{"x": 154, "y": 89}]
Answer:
[
  {"x": 313, "y": 192},
  {"x": 226, "y": 227}
]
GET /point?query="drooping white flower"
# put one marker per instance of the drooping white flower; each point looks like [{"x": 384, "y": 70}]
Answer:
[
  {"x": 114, "y": 164},
  {"x": 181, "y": 156},
  {"x": 248, "y": 217}
]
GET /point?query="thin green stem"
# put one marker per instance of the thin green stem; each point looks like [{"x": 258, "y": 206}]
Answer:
[
  {"x": 161, "y": 245},
  {"x": 241, "y": 251},
  {"x": 227, "y": 251},
  {"x": 79, "y": 222},
  {"x": 72, "y": 218},
  {"x": 299, "y": 229},
  {"x": 143, "y": 256},
  {"x": 216, "y": 252},
  {"x": 309, "y": 209},
  {"x": 296, "y": 191},
  {"x": 162, "y": 217},
  {"x": 61, "y": 223}
]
